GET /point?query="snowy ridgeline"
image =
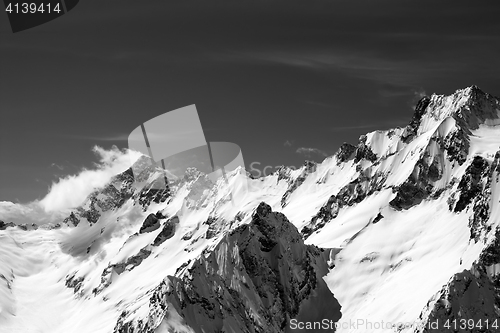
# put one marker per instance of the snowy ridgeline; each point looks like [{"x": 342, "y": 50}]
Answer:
[{"x": 399, "y": 233}]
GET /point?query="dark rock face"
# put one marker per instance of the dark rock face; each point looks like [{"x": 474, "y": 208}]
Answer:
[
  {"x": 434, "y": 171},
  {"x": 378, "y": 218},
  {"x": 408, "y": 195},
  {"x": 213, "y": 227},
  {"x": 309, "y": 167},
  {"x": 363, "y": 151},
  {"x": 128, "y": 265},
  {"x": 326, "y": 213},
  {"x": 283, "y": 173},
  {"x": 151, "y": 223},
  {"x": 491, "y": 255},
  {"x": 456, "y": 144},
  {"x": 156, "y": 192},
  {"x": 105, "y": 280},
  {"x": 471, "y": 184},
  {"x": 256, "y": 279},
  {"x": 157, "y": 309},
  {"x": 132, "y": 261},
  {"x": 419, "y": 185},
  {"x": 345, "y": 152},
  {"x": 469, "y": 296},
  {"x": 167, "y": 232},
  {"x": 72, "y": 219},
  {"x": 23, "y": 227},
  {"x": 74, "y": 283},
  {"x": 479, "y": 107},
  {"x": 351, "y": 194},
  {"x": 123, "y": 183},
  {"x": 411, "y": 129},
  {"x": 472, "y": 295},
  {"x": 4, "y": 225},
  {"x": 93, "y": 213},
  {"x": 475, "y": 191}
]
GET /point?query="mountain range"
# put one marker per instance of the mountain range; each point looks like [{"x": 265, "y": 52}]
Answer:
[{"x": 398, "y": 233}]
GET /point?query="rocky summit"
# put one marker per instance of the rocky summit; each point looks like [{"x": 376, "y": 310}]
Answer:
[{"x": 397, "y": 233}]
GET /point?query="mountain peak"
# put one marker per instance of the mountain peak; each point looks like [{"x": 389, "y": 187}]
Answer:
[
  {"x": 469, "y": 107},
  {"x": 474, "y": 107},
  {"x": 473, "y": 89}
]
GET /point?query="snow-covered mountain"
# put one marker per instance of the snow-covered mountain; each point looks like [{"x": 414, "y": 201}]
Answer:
[{"x": 399, "y": 233}]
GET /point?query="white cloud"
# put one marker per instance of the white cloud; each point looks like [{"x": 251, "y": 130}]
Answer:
[
  {"x": 27, "y": 213},
  {"x": 70, "y": 191},
  {"x": 60, "y": 167},
  {"x": 419, "y": 94},
  {"x": 308, "y": 152}
]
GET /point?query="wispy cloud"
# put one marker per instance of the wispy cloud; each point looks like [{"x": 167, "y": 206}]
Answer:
[
  {"x": 419, "y": 93},
  {"x": 109, "y": 137},
  {"x": 288, "y": 143},
  {"x": 58, "y": 166},
  {"x": 385, "y": 64},
  {"x": 378, "y": 125},
  {"x": 309, "y": 152},
  {"x": 152, "y": 136},
  {"x": 29, "y": 213},
  {"x": 320, "y": 59},
  {"x": 70, "y": 191}
]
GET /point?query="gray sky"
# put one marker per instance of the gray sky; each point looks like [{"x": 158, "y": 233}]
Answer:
[{"x": 271, "y": 76}]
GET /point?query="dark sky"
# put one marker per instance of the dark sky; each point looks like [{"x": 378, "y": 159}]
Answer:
[{"x": 261, "y": 73}]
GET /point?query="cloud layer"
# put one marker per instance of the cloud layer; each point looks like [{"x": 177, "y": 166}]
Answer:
[
  {"x": 70, "y": 191},
  {"x": 308, "y": 152}
]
